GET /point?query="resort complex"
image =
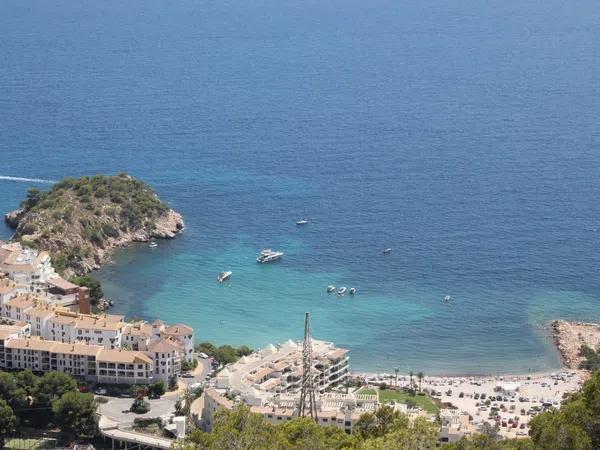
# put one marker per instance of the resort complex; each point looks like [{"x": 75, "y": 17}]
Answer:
[
  {"x": 48, "y": 325},
  {"x": 270, "y": 382}
]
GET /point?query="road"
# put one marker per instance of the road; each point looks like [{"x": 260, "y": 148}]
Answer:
[
  {"x": 200, "y": 372},
  {"x": 117, "y": 409}
]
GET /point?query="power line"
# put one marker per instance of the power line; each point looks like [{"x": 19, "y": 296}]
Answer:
[{"x": 308, "y": 402}]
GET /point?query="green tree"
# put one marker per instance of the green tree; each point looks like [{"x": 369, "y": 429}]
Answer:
[
  {"x": 226, "y": 354},
  {"x": 27, "y": 381},
  {"x": 386, "y": 419},
  {"x": 10, "y": 391},
  {"x": 411, "y": 375},
  {"x": 8, "y": 421},
  {"x": 157, "y": 389},
  {"x": 75, "y": 413},
  {"x": 483, "y": 442},
  {"x": 591, "y": 359},
  {"x": 53, "y": 385},
  {"x": 303, "y": 433},
  {"x": 420, "y": 376},
  {"x": 240, "y": 429},
  {"x": 34, "y": 196},
  {"x": 96, "y": 292}
]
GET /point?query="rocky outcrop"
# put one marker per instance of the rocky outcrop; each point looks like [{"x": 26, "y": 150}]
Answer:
[
  {"x": 80, "y": 222},
  {"x": 570, "y": 336},
  {"x": 12, "y": 218},
  {"x": 167, "y": 226}
]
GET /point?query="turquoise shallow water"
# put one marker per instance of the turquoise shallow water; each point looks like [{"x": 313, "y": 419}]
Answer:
[{"x": 463, "y": 134}]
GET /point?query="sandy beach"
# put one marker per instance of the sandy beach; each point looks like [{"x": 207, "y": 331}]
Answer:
[{"x": 517, "y": 398}]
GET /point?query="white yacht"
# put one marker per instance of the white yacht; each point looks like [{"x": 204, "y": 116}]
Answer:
[
  {"x": 224, "y": 276},
  {"x": 352, "y": 291},
  {"x": 268, "y": 255},
  {"x": 330, "y": 288},
  {"x": 447, "y": 299},
  {"x": 302, "y": 222},
  {"x": 387, "y": 250},
  {"x": 342, "y": 290},
  {"x": 152, "y": 244}
]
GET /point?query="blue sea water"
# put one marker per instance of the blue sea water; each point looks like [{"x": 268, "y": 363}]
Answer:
[{"x": 464, "y": 134}]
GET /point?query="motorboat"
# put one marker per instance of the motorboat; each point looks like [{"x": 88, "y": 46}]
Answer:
[
  {"x": 330, "y": 288},
  {"x": 224, "y": 276},
  {"x": 342, "y": 290},
  {"x": 387, "y": 250},
  {"x": 302, "y": 222},
  {"x": 268, "y": 255},
  {"x": 352, "y": 291},
  {"x": 152, "y": 244},
  {"x": 447, "y": 299}
]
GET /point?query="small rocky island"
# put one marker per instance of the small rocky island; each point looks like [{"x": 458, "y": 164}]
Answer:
[{"x": 81, "y": 221}]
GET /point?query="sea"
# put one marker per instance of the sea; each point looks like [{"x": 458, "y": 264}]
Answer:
[{"x": 462, "y": 134}]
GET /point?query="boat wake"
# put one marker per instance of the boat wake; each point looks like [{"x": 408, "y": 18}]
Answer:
[{"x": 26, "y": 180}]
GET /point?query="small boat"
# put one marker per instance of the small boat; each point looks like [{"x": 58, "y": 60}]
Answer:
[
  {"x": 224, "y": 276},
  {"x": 330, "y": 288},
  {"x": 447, "y": 299},
  {"x": 268, "y": 255},
  {"x": 152, "y": 244},
  {"x": 342, "y": 290},
  {"x": 302, "y": 222},
  {"x": 387, "y": 250},
  {"x": 352, "y": 291}
]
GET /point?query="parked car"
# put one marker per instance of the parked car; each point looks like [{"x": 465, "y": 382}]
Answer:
[
  {"x": 100, "y": 391},
  {"x": 203, "y": 355},
  {"x": 187, "y": 375}
]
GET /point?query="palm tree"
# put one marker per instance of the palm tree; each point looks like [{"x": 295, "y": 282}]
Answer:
[
  {"x": 411, "y": 379},
  {"x": 420, "y": 377}
]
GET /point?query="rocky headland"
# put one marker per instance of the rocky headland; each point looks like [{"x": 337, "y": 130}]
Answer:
[
  {"x": 80, "y": 222},
  {"x": 569, "y": 337}
]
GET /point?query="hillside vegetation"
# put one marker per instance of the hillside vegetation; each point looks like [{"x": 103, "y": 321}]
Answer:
[{"x": 80, "y": 221}]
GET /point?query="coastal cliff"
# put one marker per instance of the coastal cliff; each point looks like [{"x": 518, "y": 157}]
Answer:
[{"x": 81, "y": 221}]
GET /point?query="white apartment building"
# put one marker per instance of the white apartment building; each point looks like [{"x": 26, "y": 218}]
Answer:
[
  {"x": 183, "y": 334},
  {"x": 167, "y": 355},
  {"x": 90, "y": 362},
  {"x": 25, "y": 265},
  {"x": 62, "y": 325},
  {"x": 269, "y": 382}
]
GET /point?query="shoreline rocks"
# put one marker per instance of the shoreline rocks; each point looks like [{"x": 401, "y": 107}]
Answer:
[
  {"x": 569, "y": 336},
  {"x": 13, "y": 218}
]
